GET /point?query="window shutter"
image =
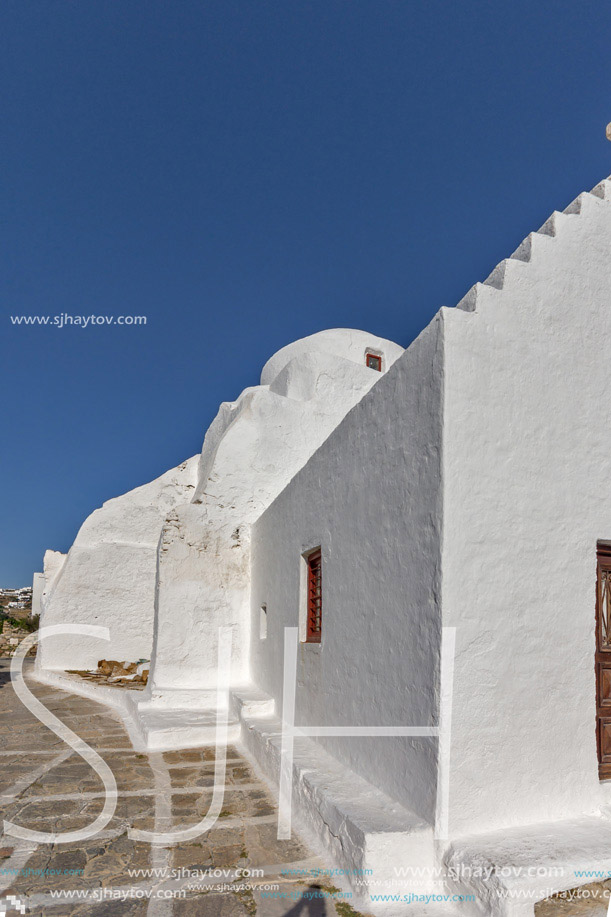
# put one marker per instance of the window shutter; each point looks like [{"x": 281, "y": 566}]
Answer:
[{"x": 314, "y": 585}]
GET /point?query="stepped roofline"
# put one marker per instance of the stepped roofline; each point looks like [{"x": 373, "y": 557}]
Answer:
[{"x": 534, "y": 241}]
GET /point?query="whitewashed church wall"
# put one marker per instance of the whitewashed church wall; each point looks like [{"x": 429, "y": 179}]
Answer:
[
  {"x": 527, "y": 469},
  {"x": 251, "y": 451},
  {"x": 370, "y": 497}
]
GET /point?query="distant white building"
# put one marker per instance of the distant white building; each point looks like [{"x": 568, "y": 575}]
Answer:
[{"x": 436, "y": 526}]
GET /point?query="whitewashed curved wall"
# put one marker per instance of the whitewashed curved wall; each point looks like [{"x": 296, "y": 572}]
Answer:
[
  {"x": 251, "y": 451},
  {"x": 165, "y": 564},
  {"x": 108, "y": 576},
  {"x": 370, "y": 496},
  {"x": 345, "y": 343}
]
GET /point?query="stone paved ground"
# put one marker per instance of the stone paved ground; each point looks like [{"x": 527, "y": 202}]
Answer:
[{"x": 46, "y": 787}]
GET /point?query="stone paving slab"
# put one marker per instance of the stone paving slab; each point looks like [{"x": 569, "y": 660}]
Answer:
[{"x": 69, "y": 795}]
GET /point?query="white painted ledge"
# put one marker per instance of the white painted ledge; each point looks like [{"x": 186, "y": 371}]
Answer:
[
  {"x": 335, "y": 810},
  {"x": 148, "y": 730},
  {"x": 568, "y": 846}
]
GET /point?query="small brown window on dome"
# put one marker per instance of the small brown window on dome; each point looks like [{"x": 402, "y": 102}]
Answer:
[{"x": 373, "y": 361}]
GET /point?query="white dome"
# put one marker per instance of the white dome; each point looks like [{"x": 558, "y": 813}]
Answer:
[{"x": 346, "y": 343}]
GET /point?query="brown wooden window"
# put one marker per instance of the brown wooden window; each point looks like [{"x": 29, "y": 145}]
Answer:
[
  {"x": 373, "y": 361},
  {"x": 603, "y": 658},
  {"x": 314, "y": 597}
]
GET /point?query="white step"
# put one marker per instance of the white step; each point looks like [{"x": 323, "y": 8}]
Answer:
[
  {"x": 559, "y": 849},
  {"x": 336, "y": 810},
  {"x": 168, "y": 730}
]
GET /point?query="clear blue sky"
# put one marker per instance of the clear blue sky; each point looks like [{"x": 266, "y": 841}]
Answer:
[{"x": 243, "y": 174}]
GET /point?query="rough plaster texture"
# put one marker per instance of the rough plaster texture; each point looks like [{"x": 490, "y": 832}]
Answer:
[
  {"x": 508, "y": 871},
  {"x": 527, "y": 446},
  {"x": 108, "y": 576},
  {"x": 371, "y": 498},
  {"x": 251, "y": 451},
  {"x": 53, "y": 563},
  {"x": 467, "y": 489}
]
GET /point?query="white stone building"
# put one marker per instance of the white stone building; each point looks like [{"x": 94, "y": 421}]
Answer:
[{"x": 460, "y": 501}]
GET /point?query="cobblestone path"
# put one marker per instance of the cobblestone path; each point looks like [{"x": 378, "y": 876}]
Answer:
[{"x": 45, "y": 786}]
